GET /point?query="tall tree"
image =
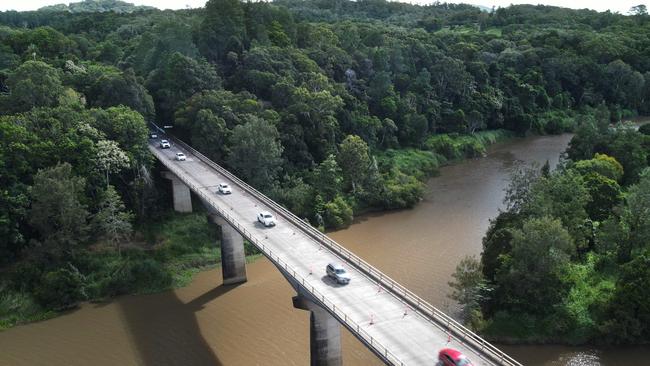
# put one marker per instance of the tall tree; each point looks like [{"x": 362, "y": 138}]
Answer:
[
  {"x": 34, "y": 84},
  {"x": 255, "y": 152},
  {"x": 112, "y": 221},
  {"x": 223, "y": 29},
  {"x": 57, "y": 212},
  {"x": 354, "y": 160}
]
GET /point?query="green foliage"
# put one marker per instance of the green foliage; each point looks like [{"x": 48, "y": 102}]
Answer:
[
  {"x": 60, "y": 289},
  {"x": 605, "y": 194},
  {"x": 541, "y": 250},
  {"x": 628, "y": 314},
  {"x": 401, "y": 190},
  {"x": 57, "y": 212},
  {"x": 255, "y": 152},
  {"x": 34, "y": 84},
  {"x": 418, "y": 163},
  {"x": 645, "y": 129},
  {"x": 327, "y": 178},
  {"x": 84, "y": 6},
  {"x": 354, "y": 160},
  {"x": 17, "y": 307},
  {"x": 112, "y": 221},
  {"x": 337, "y": 213},
  {"x": 469, "y": 286},
  {"x": 602, "y": 164},
  {"x": 454, "y": 147}
]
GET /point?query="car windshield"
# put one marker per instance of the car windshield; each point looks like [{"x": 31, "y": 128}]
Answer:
[
  {"x": 463, "y": 362},
  {"x": 224, "y": 186},
  {"x": 267, "y": 216},
  {"x": 339, "y": 271}
]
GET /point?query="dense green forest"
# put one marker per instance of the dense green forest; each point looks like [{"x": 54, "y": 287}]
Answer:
[
  {"x": 568, "y": 260},
  {"x": 330, "y": 107}
]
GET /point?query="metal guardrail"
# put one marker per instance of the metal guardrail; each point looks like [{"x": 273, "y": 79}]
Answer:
[
  {"x": 417, "y": 303},
  {"x": 300, "y": 280}
]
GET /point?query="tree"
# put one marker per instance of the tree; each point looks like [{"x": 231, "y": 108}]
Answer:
[
  {"x": 602, "y": 164},
  {"x": 112, "y": 221},
  {"x": 57, "y": 212},
  {"x": 628, "y": 313},
  {"x": 110, "y": 158},
  {"x": 123, "y": 88},
  {"x": 605, "y": 193},
  {"x": 540, "y": 251},
  {"x": 255, "y": 152},
  {"x": 179, "y": 78},
  {"x": 327, "y": 178},
  {"x": 222, "y": 29},
  {"x": 354, "y": 160},
  {"x": 337, "y": 213},
  {"x": 469, "y": 286},
  {"x": 126, "y": 127},
  {"x": 563, "y": 196},
  {"x": 640, "y": 9},
  {"x": 34, "y": 84}
]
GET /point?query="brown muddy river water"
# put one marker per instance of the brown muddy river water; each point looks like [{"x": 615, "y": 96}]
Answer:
[{"x": 255, "y": 323}]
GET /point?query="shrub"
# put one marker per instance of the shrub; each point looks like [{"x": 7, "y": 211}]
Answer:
[
  {"x": 402, "y": 191},
  {"x": 61, "y": 289},
  {"x": 337, "y": 213},
  {"x": 645, "y": 129},
  {"x": 144, "y": 275}
]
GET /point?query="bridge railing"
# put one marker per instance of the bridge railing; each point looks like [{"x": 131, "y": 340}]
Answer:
[
  {"x": 414, "y": 301},
  {"x": 290, "y": 271}
]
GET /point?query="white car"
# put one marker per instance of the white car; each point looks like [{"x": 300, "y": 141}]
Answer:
[
  {"x": 266, "y": 218},
  {"x": 153, "y": 135},
  {"x": 180, "y": 157},
  {"x": 224, "y": 188},
  {"x": 337, "y": 273},
  {"x": 165, "y": 144}
]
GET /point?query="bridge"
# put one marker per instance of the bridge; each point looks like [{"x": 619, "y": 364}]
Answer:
[{"x": 395, "y": 324}]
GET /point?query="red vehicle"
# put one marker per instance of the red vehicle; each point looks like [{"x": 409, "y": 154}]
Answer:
[{"x": 451, "y": 357}]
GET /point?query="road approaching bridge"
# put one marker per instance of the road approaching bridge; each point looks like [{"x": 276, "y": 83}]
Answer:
[{"x": 395, "y": 324}]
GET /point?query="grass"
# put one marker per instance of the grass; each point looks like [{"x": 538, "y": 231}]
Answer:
[
  {"x": 418, "y": 163},
  {"x": 19, "y": 307}
]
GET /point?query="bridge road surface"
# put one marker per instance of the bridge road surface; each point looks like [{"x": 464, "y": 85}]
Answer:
[{"x": 413, "y": 339}]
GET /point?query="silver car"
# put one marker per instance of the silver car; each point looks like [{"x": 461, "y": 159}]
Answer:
[
  {"x": 338, "y": 273},
  {"x": 224, "y": 188}
]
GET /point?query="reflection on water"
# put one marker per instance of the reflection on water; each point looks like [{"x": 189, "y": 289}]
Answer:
[{"x": 255, "y": 324}]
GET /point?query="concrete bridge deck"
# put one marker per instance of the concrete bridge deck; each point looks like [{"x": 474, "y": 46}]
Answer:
[{"x": 396, "y": 325}]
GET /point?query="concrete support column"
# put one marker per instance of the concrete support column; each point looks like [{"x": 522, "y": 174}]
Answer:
[
  {"x": 233, "y": 258},
  {"x": 181, "y": 193},
  {"x": 324, "y": 332}
]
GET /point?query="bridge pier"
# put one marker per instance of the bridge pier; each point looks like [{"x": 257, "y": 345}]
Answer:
[
  {"x": 181, "y": 193},
  {"x": 324, "y": 334},
  {"x": 233, "y": 258}
]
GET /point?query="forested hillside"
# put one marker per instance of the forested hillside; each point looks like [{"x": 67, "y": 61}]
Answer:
[{"x": 329, "y": 107}]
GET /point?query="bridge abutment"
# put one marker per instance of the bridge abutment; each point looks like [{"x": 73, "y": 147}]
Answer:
[
  {"x": 181, "y": 193},
  {"x": 324, "y": 334},
  {"x": 233, "y": 258}
]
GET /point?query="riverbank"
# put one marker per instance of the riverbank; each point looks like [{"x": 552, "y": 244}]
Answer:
[
  {"x": 164, "y": 255},
  {"x": 167, "y": 254}
]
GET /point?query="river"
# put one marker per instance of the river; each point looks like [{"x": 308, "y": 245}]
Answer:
[{"x": 255, "y": 324}]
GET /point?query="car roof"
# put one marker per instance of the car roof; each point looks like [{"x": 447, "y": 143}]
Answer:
[
  {"x": 336, "y": 265},
  {"x": 179, "y": 153},
  {"x": 223, "y": 184},
  {"x": 452, "y": 353},
  {"x": 265, "y": 213}
]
